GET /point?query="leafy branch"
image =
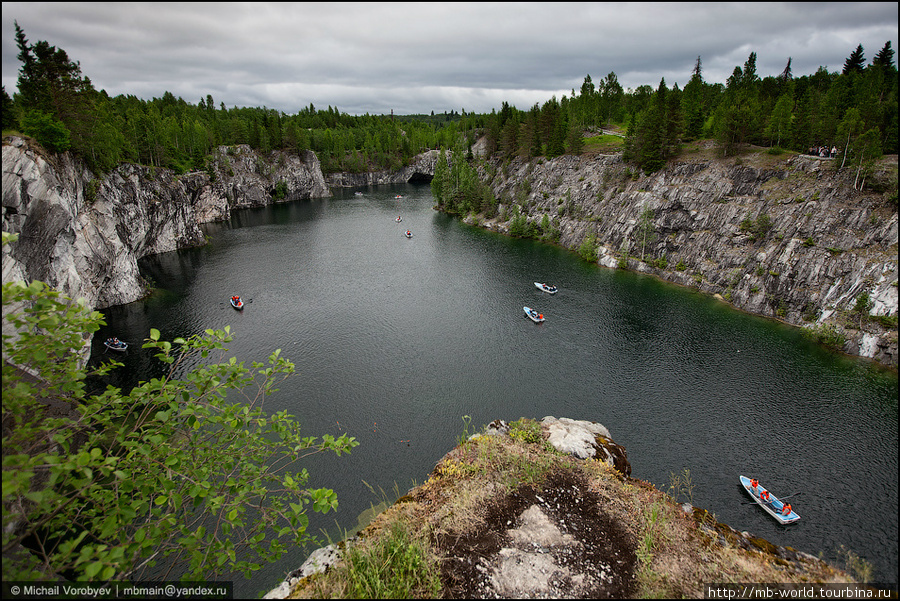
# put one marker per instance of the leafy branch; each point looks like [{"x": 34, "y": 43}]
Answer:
[{"x": 174, "y": 473}]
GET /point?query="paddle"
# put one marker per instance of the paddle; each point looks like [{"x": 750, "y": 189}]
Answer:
[{"x": 779, "y": 498}]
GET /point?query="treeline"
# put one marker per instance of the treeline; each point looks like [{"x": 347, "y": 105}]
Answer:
[
  {"x": 59, "y": 107},
  {"x": 854, "y": 111}
]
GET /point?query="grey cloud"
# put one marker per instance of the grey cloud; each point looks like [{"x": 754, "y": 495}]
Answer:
[{"x": 371, "y": 57}]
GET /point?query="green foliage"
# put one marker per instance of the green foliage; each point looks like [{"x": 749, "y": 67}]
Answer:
[
  {"x": 456, "y": 187},
  {"x": 528, "y": 431},
  {"x": 779, "y": 126},
  {"x": 394, "y": 566},
  {"x": 645, "y": 232},
  {"x": 693, "y": 105},
  {"x": 186, "y": 473},
  {"x": 49, "y": 132},
  {"x": 7, "y": 111},
  {"x": 654, "y": 135},
  {"x": 589, "y": 248},
  {"x": 861, "y": 569},
  {"x": 784, "y": 110},
  {"x": 682, "y": 485},
  {"x": 855, "y": 62},
  {"x": 467, "y": 421},
  {"x": 757, "y": 228},
  {"x": 518, "y": 224},
  {"x": 827, "y": 334},
  {"x": 862, "y": 306},
  {"x": 660, "y": 263},
  {"x": 280, "y": 191}
]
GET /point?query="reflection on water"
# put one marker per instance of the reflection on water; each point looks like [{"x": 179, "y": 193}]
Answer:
[{"x": 395, "y": 339}]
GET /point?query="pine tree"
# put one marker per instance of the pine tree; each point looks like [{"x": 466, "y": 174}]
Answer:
[
  {"x": 692, "y": 104},
  {"x": 651, "y": 132},
  {"x": 612, "y": 99},
  {"x": 574, "y": 140},
  {"x": 786, "y": 74},
  {"x": 6, "y": 111},
  {"x": 51, "y": 84},
  {"x": 439, "y": 181},
  {"x": 780, "y": 119},
  {"x": 855, "y": 62},
  {"x": 586, "y": 102},
  {"x": 738, "y": 115},
  {"x": 885, "y": 57}
]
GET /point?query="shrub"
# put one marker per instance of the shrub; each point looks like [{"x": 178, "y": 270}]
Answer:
[
  {"x": 528, "y": 431},
  {"x": 280, "y": 190},
  {"x": 174, "y": 473},
  {"x": 828, "y": 334},
  {"x": 50, "y": 133},
  {"x": 588, "y": 249}
]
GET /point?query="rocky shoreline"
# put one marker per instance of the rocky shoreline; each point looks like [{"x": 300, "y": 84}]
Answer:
[
  {"x": 782, "y": 237},
  {"x": 823, "y": 245}
]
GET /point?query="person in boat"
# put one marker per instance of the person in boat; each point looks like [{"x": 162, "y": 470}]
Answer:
[
  {"x": 754, "y": 484},
  {"x": 787, "y": 509},
  {"x": 764, "y": 496}
]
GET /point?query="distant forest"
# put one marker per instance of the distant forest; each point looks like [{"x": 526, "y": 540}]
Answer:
[{"x": 854, "y": 110}]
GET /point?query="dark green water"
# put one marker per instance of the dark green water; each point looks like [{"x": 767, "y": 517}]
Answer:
[{"x": 396, "y": 339}]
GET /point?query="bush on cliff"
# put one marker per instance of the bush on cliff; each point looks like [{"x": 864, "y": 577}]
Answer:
[{"x": 171, "y": 475}]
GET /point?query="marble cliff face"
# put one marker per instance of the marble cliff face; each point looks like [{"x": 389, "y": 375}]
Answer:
[
  {"x": 84, "y": 235},
  {"x": 824, "y": 245}
]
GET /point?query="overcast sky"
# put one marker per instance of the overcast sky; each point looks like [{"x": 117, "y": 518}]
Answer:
[{"x": 427, "y": 56}]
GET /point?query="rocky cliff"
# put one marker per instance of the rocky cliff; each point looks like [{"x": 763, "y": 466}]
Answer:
[
  {"x": 784, "y": 237},
  {"x": 84, "y": 234},
  {"x": 548, "y": 510}
]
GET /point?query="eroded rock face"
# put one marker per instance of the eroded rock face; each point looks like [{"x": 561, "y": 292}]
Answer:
[
  {"x": 790, "y": 240},
  {"x": 80, "y": 248},
  {"x": 84, "y": 235}
]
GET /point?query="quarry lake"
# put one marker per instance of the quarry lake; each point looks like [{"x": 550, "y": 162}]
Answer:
[{"x": 396, "y": 339}]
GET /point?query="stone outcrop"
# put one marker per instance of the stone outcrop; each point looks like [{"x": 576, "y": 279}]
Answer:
[
  {"x": 788, "y": 239},
  {"x": 584, "y": 529},
  {"x": 586, "y": 440}
]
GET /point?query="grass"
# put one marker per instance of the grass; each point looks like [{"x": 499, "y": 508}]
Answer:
[
  {"x": 396, "y": 565},
  {"x": 603, "y": 144},
  {"x": 681, "y": 484}
]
